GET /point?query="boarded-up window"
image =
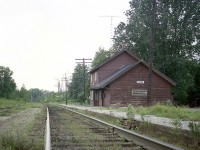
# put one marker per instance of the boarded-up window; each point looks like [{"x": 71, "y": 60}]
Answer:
[
  {"x": 139, "y": 92},
  {"x": 91, "y": 78},
  {"x": 92, "y": 95},
  {"x": 96, "y": 76}
]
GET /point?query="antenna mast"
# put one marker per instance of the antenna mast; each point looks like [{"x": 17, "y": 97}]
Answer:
[{"x": 111, "y": 27}]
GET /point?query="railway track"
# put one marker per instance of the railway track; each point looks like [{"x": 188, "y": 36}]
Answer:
[{"x": 74, "y": 131}]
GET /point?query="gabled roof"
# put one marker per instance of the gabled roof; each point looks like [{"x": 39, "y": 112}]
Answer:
[
  {"x": 103, "y": 83},
  {"x": 113, "y": 76},
  {"x": 160, "y": 74},
  {"x": 114, "y": 56}
]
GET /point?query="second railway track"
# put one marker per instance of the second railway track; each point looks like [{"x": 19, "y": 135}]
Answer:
[{"x": 70, "y": 130}]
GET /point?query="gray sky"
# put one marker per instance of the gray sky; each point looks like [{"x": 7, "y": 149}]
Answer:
[{"x": 40, "y": 39}]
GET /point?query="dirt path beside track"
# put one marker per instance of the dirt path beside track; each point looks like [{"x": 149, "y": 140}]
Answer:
[{"x": 17, "y": 122}]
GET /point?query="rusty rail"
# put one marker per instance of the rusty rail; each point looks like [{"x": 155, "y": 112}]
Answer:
[
  {"x": 146, "y": 142},
  {"x": 47, "y": 133}
]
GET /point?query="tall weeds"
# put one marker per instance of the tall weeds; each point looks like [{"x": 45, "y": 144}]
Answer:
[{"x": 169, "y": 111}]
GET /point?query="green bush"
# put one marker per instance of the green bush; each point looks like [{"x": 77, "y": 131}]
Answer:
[
  {"x": 195, "y": 128},
  {"x": 130, "y": 111}
]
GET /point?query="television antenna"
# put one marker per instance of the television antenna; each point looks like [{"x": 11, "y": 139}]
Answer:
[{"x": 111, "y": 26}]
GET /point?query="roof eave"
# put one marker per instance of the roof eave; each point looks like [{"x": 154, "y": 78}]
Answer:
[{"x": 160, "y": 74}]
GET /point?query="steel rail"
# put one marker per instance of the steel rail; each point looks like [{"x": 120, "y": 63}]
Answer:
[
  {"x": 47, "y": 133},
  {"x": 146, "y": 142}
]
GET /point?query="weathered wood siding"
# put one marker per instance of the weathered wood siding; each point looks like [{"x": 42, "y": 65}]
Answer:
[
  {"x": 116, "y": 63},
  {"x": 131, "y": 87},
  {"x": 94, "y": 77},
  {"x": 121, "y": 90},
  {"x": 106, "y": 100}
]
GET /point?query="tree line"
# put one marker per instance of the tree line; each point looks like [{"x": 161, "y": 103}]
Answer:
[
  {"x": 177, "y": 40},
  {"x": 177, "y": 44},
  {"x": 8, "y": 89},
  {"x": 176, "y": 53}
]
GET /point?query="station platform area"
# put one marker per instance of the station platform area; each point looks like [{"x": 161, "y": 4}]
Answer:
[{"x": 150, "y": 118}]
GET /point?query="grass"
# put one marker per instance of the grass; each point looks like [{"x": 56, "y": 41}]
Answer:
[
  {"x": 29, "y": 137},
  {"x": 104, "y": 117},
  {"x": 168, "y": 111},
  {"x": 159, "y": 110},
  {"x": 18, "y": 142},
  {"x": 10, "y": 107}
]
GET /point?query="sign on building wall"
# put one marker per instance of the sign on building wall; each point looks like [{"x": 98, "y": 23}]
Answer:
[
  {"x": 140, "y": 82},
  {"x": 139, "y": 92}
]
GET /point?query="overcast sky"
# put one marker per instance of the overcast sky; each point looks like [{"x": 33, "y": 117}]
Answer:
[{"x": 40, "y": 39}]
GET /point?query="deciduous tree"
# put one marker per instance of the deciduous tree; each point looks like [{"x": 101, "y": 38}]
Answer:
[
  {"x": 7, "y": 83},
  {"x": 76, "y": 87},
  {"x": 177, "y": 38},
  {"x": 100, "y": 56}
]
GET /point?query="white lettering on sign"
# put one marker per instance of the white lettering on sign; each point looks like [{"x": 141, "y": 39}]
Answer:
[{"x": 140, "y": 82}]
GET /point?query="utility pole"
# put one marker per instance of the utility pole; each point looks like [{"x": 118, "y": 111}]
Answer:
[
  {"x": 152, "y": 48},
  {"x": 83, "y": 61},
  {"x": 58, "y": 86},
  {"x": 66, "y": 86}
]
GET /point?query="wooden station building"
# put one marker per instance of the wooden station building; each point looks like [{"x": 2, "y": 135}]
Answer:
[{"x": 123, "y": 80}]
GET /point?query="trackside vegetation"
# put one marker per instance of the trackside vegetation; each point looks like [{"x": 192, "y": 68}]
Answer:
[
  {"x": 21, "y": 132},
  {"x": 168, "y": 111},
  {"x": 173, "y": 136},
  {"x": 161, "y": 110},
  {"x": 9, "y": 107}
]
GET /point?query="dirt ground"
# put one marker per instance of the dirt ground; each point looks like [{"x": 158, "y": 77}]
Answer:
[{"x": 17, "y": 122}]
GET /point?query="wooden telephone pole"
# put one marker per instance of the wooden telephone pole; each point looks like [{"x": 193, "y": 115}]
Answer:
[
  {"x": 66, "y": 86},
  {"x": 83, "y": 61},
  {"x": 152, "y": 48}
]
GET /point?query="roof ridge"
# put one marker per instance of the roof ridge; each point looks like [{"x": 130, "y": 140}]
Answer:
[
  {"x": 113, "y": 76},
  {"x": 115, "y": 55}
]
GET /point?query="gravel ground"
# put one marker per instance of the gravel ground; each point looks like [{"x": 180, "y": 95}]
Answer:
[{"x": 18, "y": 121}]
